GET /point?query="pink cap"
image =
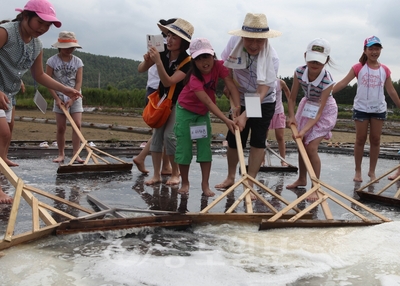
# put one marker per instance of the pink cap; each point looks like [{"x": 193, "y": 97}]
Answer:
[
  {"x": 43, "y": 9},
  {"x": 200, "y": 46}
]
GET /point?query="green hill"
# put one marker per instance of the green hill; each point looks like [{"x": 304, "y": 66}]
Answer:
[{"x": 103, "y": 71}]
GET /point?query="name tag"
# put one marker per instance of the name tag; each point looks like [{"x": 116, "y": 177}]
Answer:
[
  {"x": 253, "y": 105},
  {"x": 198, "y": 131},
  {"x": 310, "y": 109}
]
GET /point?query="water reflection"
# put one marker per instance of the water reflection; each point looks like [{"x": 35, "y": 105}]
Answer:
[
  {"x": 163, "y": 197},
  {"x": 74, "y": 196}
]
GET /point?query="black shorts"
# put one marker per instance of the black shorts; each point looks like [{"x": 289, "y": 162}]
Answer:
[{"x": 258, "y": 127}]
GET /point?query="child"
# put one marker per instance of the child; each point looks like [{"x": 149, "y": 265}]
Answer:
[
  {"x": 67, "y": 69},
  {"x": 369, "y": 108},
  {"x": 11, "y": 123},
  {"x": 20, "y": 50},
  {"x": 192, "y": 113},
  {"x": 317, "y": 111},
  {"x": 278, "y": 121}
]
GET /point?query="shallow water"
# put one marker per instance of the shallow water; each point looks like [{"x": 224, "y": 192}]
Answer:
[{"x": 226, "y": 254}]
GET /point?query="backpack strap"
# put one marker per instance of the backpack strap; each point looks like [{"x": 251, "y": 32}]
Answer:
[{"x": 172, "y": 87}]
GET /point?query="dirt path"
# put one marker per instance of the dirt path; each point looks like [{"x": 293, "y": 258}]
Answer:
[{"x": 47, "y": 132}]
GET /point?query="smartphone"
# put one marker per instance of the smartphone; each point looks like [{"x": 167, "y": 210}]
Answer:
[{"x": 156, "y": 41}]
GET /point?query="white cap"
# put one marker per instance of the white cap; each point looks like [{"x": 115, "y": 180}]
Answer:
[{"x": 318, "y": 50}]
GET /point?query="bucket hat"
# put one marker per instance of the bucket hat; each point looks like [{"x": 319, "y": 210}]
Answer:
[
  {"x": 255, "y": 26},
  {"x": 43, "y": 9},
  {"x": 180, "y": 27},
  {"x": 66, "y": 40}
]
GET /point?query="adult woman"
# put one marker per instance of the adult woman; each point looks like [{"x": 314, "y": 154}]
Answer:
[{"x": 179, "y": 35}]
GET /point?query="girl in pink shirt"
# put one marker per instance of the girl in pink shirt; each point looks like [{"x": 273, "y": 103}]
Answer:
[{"x": 192, "y": 112}]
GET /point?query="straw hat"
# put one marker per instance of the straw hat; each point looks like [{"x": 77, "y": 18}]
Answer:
[
  {"x": 255, "y": 26},
  {"x": 66, "y": 40},
  {"x": 180, "y": 27}
]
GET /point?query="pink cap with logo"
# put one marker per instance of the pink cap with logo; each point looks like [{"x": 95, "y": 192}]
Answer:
[
  {"x": 200, "y": 46},
  {"x": 43, "y": 9}
]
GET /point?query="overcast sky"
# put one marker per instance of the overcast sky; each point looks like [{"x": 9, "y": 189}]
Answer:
[{"x": 118, "y": 27}]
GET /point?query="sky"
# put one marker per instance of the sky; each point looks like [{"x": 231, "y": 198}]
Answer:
[{"x": 117, "y": 28}]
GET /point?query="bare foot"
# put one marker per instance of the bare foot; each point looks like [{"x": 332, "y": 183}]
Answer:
[
  {"x": 394, "y": 176},
  {"x": 298, "y": 183},
  {"x": 4, "y": 198},
  {"x": 10, "y": 163},
  {"x": 372, "y": 177},
  {"x": 152, "y": 181},
  {"x": 284, "y": 164},
  {"x": 184, "y": 189},
  {"x": 78, "y": 160},
  {"x": 313, "y": 197},
  {"x": 174, "y": 180},
  {"x": 357, "y": 177},
  {"x": 225, "y": 184},
  {"x": 140, "y": 166},
  {"x": 208, "y": 193},
  {"x": 59, "y": 159}
]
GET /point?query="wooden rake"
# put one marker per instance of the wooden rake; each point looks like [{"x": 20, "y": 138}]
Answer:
[
  {"x": 41, "y": 212},
  {"x": 248, "y": 189},
  {"x": 323, "y": 196},
  {"x": 379, "y": 197},
  {"x": 92, "y": 156},
  {"x": 270, "y": 168}
]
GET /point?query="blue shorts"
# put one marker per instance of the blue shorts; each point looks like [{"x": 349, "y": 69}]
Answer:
[{"x": 361, "y": 116}]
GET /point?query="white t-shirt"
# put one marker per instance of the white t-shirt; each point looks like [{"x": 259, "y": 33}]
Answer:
[
  {"x": 370, "y": 97},
  {"x": 65, "y": 72}
]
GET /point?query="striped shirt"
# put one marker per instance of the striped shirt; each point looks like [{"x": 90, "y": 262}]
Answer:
[{"x": 313, "y": 90}]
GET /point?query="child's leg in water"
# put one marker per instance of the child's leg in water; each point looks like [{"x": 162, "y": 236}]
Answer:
[
  {"x": 184, "y": 170},
  {"x": 205, "y": 176}
]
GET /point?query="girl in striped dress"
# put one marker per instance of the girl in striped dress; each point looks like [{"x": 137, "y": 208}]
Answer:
[{"x": 317, "y": 111}]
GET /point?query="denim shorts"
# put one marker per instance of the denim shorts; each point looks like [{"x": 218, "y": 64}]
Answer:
[{"x": 361, "y": 116}]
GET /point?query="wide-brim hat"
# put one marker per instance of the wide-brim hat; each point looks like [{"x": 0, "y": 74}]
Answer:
[
  {"x": 255, "y": 26},
  {"x": 43, "y": 9},
  {"x": 66, "y": 40},
  {"x": 180, "y": 27}
]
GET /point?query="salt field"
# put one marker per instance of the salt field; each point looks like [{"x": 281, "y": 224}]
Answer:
[{"x": 224, "y": 254}]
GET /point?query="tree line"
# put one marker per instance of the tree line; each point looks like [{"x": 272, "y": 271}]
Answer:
[{"x": 114, "y": 81}]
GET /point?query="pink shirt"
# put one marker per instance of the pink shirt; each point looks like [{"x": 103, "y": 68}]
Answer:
[{"x": 189, "y": 100}]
